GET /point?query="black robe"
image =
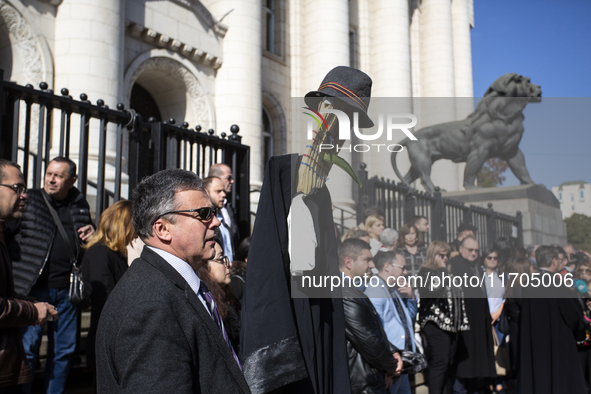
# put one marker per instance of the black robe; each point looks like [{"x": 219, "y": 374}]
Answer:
[
  {"x": 291, "y": 345},
  {"x": 475, "y": 357},
  {"x": 549, "y": 329}
]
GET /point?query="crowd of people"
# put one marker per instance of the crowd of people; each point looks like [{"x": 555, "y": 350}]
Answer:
[
  {"x": 174, "y": 309},
  {"x": 505, "y": 333},
  {"x": 46, "y": 232}
]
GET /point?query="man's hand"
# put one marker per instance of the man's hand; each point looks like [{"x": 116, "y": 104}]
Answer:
[
  {"x": 407, "y": 290},
  {"x": 45, "y": 312},
  {"x": 398, "y": 370},
  {"x": 85, "y": 232},
  {"x": 496, "y": 315}
]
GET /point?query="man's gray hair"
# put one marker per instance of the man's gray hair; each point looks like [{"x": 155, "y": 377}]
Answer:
[
  {"x": 156, "y": 195},
  {"x": 389, "y": 237}
]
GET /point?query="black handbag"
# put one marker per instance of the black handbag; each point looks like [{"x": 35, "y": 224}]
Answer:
[
  {"x": 76, "y": 294},
  {"x": 412, "y": 362},
  {"x": 504, "y": 324}
]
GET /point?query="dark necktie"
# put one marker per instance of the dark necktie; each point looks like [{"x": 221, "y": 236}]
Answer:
[
  {"x": 400, "y": 309},
  {"x": 213, "y": 309}
]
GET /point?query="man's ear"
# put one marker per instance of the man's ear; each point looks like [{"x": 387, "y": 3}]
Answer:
[
  {"x": 161, "y": 230},
  {"x": 348, "y": 261},
  {"x": 73, "y": 180},
  {"x": 386, "y": 268}
]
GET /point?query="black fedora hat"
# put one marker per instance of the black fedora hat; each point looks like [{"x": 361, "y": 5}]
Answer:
[{"x": 351, "y": 86}]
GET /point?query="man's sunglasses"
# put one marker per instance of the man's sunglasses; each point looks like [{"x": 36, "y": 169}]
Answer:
[
  {"x": 205, "y": 214},
  {"x": 19, "y": 189}
]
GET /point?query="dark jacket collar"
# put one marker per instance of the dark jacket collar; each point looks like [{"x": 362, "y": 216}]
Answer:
[
  {"x": 73, "y": 195},
  {"x": 156, "y": 261}
]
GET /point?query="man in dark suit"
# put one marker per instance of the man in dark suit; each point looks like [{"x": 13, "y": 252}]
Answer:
[
  {"x": 224, "y": 172},
  {"x": 160, "y": 330}
]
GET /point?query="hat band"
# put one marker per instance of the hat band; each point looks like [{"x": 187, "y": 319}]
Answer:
[{"x": 344, "y": 91}]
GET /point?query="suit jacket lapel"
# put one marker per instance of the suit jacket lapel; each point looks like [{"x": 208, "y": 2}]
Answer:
[
  {"x": 171, "y": 274},
  {"x": 214, "y": 331}
]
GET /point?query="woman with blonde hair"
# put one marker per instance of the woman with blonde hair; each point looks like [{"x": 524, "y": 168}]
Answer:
[
  {"x": 410, "y": 243},
  {"x": 442, "y": 314},
  {"x": 105, "y": 262},
  {"x": 374, "y": 226}
]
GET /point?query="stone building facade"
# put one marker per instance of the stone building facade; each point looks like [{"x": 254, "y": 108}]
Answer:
[
  {"x": 221, "y": 62},
  {"x": 574, "y": 197}
]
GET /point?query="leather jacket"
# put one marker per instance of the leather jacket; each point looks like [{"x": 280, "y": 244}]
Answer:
[
  {"x": 442, "y": 305},
  {"x": 369, "y": 351},
  {"x": 14, "y": 313}
]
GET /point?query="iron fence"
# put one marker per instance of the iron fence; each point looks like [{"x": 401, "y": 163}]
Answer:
[
  {"x": 114, "y": 142},
  {"x": 400, "y": 203}
]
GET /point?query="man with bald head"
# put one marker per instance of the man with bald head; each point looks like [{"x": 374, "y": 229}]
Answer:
[
  {"x": 224, "y": 173},
  {"x": 215, "y": 188},
  {"x": 475, "y": 358}
]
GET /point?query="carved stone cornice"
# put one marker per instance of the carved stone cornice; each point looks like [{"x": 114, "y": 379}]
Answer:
[
  {"x": 52, "y": 2},
  {"x": 158, "y": 39},
  {"x": 202, "y": 12}
]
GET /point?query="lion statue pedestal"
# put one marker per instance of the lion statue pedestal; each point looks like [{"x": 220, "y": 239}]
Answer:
[{"x": 542, "y": 217}]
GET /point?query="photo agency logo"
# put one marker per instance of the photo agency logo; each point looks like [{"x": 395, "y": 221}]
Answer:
[{"x": 317, "y": 123}]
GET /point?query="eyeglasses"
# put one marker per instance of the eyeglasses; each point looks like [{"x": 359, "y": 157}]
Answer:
[
  {"x": 229, "y": 178},
  {"x": 471, "y": 250},
  {"x": 398, "y": 265},
  {"x": 492, "y": 258},
  {"x": 18, "y": 189},
  {"x": 443, "y": 255},
  {"x": 205, "y": 214},
  {"x": 223, "y": 260}
]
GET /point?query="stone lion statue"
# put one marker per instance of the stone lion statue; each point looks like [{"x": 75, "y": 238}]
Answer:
[{"x": 494, "y": 129}]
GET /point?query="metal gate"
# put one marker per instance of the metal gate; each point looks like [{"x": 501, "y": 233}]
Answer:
[{"x": 30, "y": 117}]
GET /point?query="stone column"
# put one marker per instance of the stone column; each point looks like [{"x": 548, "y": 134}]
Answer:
[
  {"x": 238, "y": 92},
  {"x": 390, "y": 49},
  {"x": 89, "y": 44},
  {"x": 326, "y": 35},
  {"x": 438, "y": 78},
  {"x": 437, "y": 50},
  {"x": 462, "y": 21},
  {"x": 326, "y": 38},
  {"x": 89, "y": 40},
  {"x": 391, "y": 74}
]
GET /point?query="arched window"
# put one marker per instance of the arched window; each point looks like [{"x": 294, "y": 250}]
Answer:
[{"x": 267, "y": 148}]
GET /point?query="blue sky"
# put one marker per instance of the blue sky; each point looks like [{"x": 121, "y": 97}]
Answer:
[{"x": 550, "y": 42}]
